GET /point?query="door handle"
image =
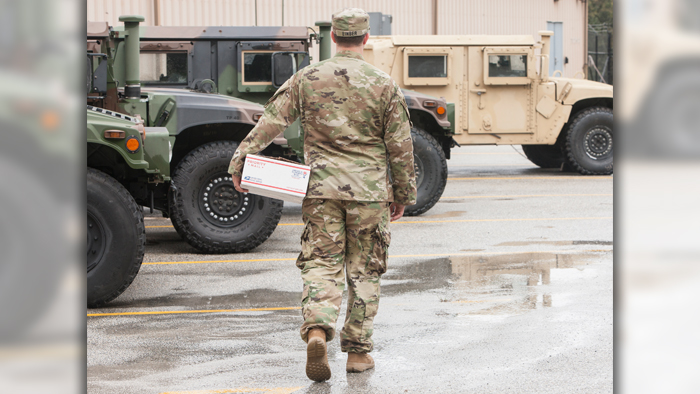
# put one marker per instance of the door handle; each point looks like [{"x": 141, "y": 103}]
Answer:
[{"x": 479, "y": 92}]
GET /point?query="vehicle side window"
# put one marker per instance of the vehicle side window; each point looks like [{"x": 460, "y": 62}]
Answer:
[
  {"x": 163, "y": 68},
  {"x": 427, "y": 66},
  {"x": 255, "y": 73},
  {"x": 257, "y": 67},
  {"x": 508, "y": 66}
]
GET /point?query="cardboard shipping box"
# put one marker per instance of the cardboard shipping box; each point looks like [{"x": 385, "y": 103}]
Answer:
[{"x": 275, "y": 178}]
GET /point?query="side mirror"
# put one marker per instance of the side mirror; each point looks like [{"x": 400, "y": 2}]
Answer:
[
  {"x": 96, "y": 73},
  {"x": 286, "y": 64}
]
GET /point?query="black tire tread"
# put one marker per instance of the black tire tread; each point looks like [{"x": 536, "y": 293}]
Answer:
[
  {"x": 569, "y": 140},
  {"x": 436, "y": 197},
  {"x": 533, "y": 154},
  {"x": 183, "y": 226},
  {"x": 123, "y": 195},
  {"x": 176, "y": 226}
]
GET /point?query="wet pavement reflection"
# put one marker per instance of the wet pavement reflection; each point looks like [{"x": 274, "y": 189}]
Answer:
[{"x": 487, "y": 284}]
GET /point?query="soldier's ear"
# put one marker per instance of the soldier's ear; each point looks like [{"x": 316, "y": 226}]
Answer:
[
  {"x": 364, "y": 42},
  {"x": 333, "y": 37}
]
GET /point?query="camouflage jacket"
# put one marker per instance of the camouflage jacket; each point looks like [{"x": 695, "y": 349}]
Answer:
[{"x": 357, "y": 134}]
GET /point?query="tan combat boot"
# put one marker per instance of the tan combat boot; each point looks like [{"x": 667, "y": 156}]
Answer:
[
  {"x": 317, "y": 367},
  {"x": 359, "y": 362}
]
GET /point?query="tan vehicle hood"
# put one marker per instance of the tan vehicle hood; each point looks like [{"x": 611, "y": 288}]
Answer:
[{"x": 580, "y": 89}]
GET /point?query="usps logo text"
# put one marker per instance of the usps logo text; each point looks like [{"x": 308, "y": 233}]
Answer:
[{"x": 298, "y": 174}]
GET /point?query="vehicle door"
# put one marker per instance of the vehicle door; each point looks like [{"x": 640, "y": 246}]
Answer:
[
  {"x": 264, "y": 67},
  {"x": 501, "y": 90}
]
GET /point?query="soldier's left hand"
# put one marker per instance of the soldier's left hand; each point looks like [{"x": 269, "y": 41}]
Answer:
[
  {"x": 237, "y": 184},
  {"x": 396, "y": 211}
]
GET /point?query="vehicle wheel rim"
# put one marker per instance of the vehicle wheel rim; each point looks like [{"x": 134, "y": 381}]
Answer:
[
  {"x": 221, "y": 204},
  {"x": 96, "y": 241},
  {"x": 418, "y": 168},
  {"x": 598, "y": 142}
]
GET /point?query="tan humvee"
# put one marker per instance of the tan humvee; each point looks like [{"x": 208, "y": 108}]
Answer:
[{"x": 499, "y": 92}]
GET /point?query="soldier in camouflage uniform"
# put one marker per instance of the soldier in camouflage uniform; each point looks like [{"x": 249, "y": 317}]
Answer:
[{"x": 358, "y": 144}]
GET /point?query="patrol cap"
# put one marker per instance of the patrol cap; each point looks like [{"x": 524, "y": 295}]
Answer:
[{"x": 350, "y": 22}]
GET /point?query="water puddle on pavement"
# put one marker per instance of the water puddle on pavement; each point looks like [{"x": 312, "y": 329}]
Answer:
[{"x": 489, "y": 284}]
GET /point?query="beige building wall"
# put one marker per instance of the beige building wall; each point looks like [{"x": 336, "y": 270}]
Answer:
[
  {"x": 203, "y": 13},
  {"x": 520, "y": 17},
  {"x": 110, "y": 10},
  {"x": 410, "y": 17},
  {"x": 178, "y": 12}
]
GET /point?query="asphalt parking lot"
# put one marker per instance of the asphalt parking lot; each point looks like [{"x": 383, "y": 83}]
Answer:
[{"x": 505, "y": 286}]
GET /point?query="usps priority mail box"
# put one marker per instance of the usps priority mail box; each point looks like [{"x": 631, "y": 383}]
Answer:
[{"x": 275, "y": 178}]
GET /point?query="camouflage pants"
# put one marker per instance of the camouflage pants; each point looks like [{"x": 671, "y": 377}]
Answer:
[{"x": 343, "y": 239}]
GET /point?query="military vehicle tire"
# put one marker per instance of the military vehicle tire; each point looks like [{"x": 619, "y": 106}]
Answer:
[
  {"x": 544, "y": 156},
  {"x": 209, "y": 213},
  {"x": 431, "y": 171},
  {"x": 589, "y": 141},
  {"x": 176, "y": 226},
  {"x": 116, "y": 238}
]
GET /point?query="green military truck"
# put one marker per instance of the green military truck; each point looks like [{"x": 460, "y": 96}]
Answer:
[
  {"x": 250, "y": 63},
  {"x": 122, "y": 166},
  {"x": 203, "y": 132}
]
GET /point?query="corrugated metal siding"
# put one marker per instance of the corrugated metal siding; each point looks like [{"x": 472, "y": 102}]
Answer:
[
  {"x": 409, "y": 16},
  {"x": 270, "y": 13},
  {"x": 110, "y": 10},
  {"x": 207, "y": 13},
  {"x": 518, "y": 17}
]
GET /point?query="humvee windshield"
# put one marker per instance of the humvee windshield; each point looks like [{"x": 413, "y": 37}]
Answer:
[
  {"x": 163, "y": 68},
  {"x": 507, "y": 65}
]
